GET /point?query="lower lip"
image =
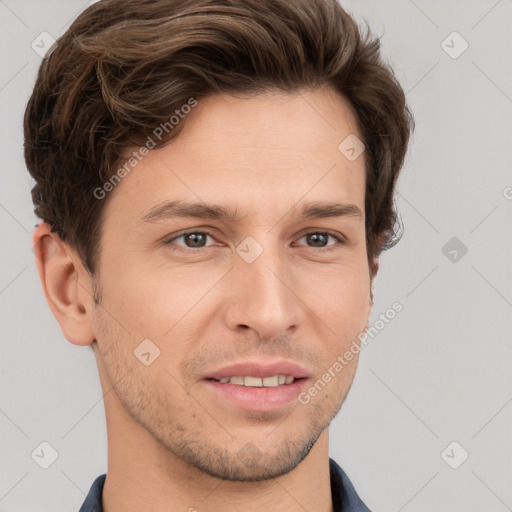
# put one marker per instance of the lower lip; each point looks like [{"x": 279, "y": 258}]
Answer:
[{"x": 256, "y": 398}]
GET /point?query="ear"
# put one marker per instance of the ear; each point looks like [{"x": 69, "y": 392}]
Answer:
[{"x": 66, "y": 285}]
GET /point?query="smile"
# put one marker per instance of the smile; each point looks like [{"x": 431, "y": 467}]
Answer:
[{"x": 258, "y": 382}]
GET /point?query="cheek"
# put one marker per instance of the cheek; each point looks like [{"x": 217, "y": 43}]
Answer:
[
  {"x": 341, "y": 297},
  {"x": 151, "y": 302}
]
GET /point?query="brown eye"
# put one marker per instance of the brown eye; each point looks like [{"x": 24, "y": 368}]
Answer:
[
  {"x": 320, "y": 239},
  {"x": 191, "y": 240}
]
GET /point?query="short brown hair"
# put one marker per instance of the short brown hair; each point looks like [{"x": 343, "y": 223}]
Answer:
[{"x": 124, "y": 66}]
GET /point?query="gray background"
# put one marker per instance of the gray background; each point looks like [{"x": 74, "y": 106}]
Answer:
[{"x": 437, "y": 373}]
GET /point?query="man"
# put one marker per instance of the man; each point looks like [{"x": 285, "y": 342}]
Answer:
[{"x": 215, "y": 180}]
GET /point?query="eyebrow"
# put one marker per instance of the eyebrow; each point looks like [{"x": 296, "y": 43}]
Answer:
[{"x": 181, "y": 209}]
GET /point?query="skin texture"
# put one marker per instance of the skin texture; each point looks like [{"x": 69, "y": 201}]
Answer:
[{"x": 171, "y": 440}]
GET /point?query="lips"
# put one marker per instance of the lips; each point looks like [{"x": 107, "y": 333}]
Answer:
[
  {"x": 259, "y": 370},
  {"x": 254, "y": 398},
  {"x": 257, "y": 385}
]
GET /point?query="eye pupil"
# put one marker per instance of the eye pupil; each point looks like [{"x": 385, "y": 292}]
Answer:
[
  {"x": 197, "y": 239},
  {"x": 318, "y": 237}
]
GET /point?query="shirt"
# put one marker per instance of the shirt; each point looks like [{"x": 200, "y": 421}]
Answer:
[{"x": 344, "y": 496}]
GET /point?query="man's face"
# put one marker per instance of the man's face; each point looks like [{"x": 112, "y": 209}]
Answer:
[{"x": 267, "y": 288}]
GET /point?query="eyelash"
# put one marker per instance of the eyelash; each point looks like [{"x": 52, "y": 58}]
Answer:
[{"x": 339, "y": 241}]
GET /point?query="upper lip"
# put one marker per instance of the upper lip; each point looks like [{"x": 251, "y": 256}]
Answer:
[{"x": 259, "y": 369}]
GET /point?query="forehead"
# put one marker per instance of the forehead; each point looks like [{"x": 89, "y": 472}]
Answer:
[
  {"x": 276, "y": 122},
  {"x": 247, "y": 153}
]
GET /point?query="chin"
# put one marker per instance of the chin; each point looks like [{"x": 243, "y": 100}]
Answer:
[{"x": 250, "y": 463}]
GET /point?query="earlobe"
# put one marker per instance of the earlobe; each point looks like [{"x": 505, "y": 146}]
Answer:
[{"x": 62, "y": 280}]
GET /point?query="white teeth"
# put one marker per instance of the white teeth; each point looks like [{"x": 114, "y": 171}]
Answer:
[
  {"x": 271, "y": 382},
  {"x": 258, "y": 382},
  {"x": 253, "y": 382}
]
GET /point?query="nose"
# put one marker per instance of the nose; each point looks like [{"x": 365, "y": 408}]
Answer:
[{"x": 263, "y": 296}]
